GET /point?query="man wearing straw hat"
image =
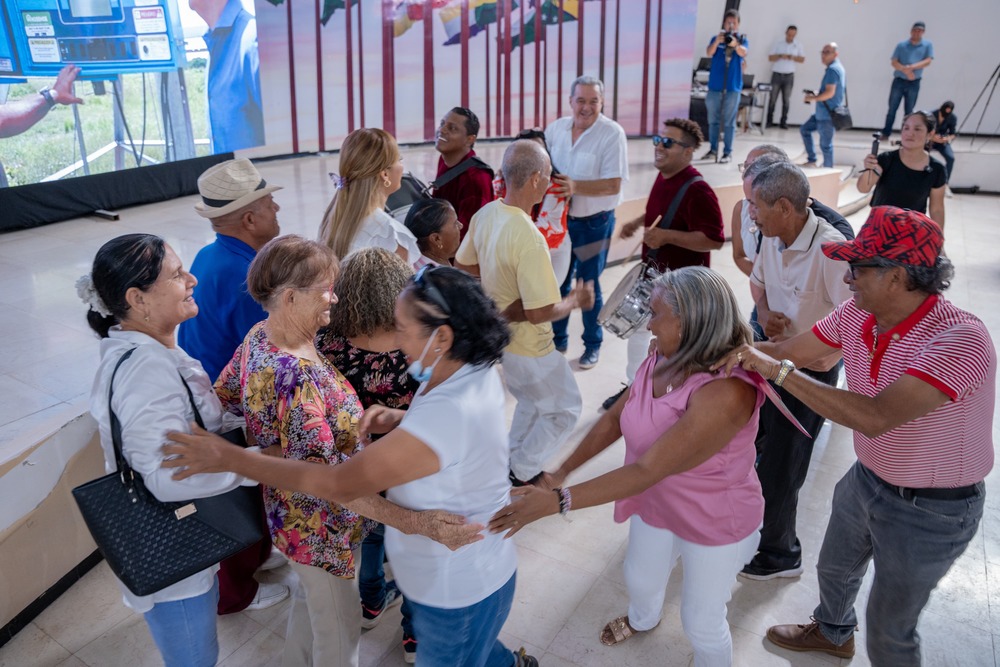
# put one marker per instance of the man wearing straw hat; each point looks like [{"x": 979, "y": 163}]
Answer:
[
  {"x": 682, "y": 221},
  {"x": 243, "y": 213}
]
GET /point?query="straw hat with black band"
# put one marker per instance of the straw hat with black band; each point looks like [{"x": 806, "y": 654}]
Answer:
[{"x": 229, "y": 186}]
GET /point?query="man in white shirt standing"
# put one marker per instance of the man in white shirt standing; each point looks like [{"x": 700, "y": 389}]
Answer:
[
  {"x": 591, "y": 153},
  {"x": 784, "y": 55}
]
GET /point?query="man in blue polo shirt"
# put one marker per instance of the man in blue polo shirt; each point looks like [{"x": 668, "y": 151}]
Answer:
[
  {"x": 830, "y": 96},
  {"x": 243, "y": 213},
  {"x": 908, "y": 60},
  {"x": 727, "y": 50}
]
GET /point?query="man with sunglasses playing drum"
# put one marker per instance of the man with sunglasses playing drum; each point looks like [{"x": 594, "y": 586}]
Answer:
[{"x": 686, "y": 237}]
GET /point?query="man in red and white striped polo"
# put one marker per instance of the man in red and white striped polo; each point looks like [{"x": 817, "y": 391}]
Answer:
[{"x": 921, "y": 377}]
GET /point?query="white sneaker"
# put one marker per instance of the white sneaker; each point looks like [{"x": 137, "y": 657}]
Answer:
[
  {"x": 268, "y": 595},
  {"x": 274, "y": 561}
]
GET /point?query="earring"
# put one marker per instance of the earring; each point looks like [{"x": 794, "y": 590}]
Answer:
[
  {"x": 386, "y": 182},
  {"x": 146, "y": 319},
  {"x": 437, "y": 349},
  {"x": 440, "y": 245}
]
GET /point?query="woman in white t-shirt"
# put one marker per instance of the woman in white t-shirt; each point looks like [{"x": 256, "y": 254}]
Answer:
[
  {"x": 371, "y": 169},
  {"x": 448, "y": 451}
]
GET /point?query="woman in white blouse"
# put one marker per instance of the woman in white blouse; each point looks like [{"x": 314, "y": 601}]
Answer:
[
  {"x": 138, "y": 292},
  {"x": 371, "y": 169}
]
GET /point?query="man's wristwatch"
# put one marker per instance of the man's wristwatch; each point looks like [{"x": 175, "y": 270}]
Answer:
[
  {"x": 786, "y": 367},
  {"x": 47, "y": 94}
]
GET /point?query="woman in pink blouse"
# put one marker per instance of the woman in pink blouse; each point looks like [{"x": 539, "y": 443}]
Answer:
[
  {"x": 297, "y": 405},
  {"x": 688, "y": 487}
]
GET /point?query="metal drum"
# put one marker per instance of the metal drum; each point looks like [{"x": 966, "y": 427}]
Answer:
[{"x": 627, "y": 308}]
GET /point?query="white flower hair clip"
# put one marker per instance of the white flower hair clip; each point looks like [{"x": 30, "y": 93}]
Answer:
[{"x": 88, "y": 294}]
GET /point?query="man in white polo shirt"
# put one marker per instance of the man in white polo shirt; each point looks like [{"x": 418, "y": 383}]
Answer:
[
  {"x": 785, "y": 54},
  {"x": 794, "y": 286},
  {"x": 590, "y": 151}
]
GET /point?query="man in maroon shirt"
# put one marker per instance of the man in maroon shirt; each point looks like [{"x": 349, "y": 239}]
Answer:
[
  {"x": 473, "y": 188},
  {"x": 684, "y": 239}
]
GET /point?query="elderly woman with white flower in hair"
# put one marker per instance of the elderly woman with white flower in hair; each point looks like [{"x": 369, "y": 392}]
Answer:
[{"x": 138, "y": 292}]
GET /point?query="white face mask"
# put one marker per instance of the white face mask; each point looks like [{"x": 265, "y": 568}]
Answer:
[{"x": 416, "y": 369}]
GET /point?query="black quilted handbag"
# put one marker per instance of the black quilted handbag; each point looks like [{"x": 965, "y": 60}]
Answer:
[{"x": 149, "y": 544}]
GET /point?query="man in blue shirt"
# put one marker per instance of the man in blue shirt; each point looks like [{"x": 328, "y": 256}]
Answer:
[
  {"x": 243, "y": 213},
  {"x": 908, "y": 60},
  {"x": 727, "y": 50},
  {"x": 234, "y": 107},
  {"x": 830, "y": 96}
]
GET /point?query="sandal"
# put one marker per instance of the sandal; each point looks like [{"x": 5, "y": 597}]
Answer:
[{"x": 617, "y": 631}]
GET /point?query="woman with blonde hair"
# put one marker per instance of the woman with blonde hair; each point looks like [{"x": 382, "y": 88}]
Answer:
[{"x": 371, "y": 169}]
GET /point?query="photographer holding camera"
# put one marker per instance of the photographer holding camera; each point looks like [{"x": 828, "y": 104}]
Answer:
[
  {"x": 727, "y": 50},
  {"x": 830, "y": 96}
]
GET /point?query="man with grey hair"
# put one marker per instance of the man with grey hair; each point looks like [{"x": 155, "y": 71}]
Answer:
[
  {"x": 244, "y": 216},
  {"x": 505, "y": 249},
  {"x": 591, "y": 152},
  {"x": 794, "y": 286}
]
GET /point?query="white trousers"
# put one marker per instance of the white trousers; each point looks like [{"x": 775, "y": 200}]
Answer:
[
  {"x": 324, "y": 624},
  {"x": 709, "y": 574},
  {"x": 638, "y": 350},
  {"x": 561, "y": 257},
  {"x": 548, "y": 405}
]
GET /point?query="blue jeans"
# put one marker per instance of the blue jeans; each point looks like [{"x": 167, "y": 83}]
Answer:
[
  {"x": 371, "y": 577},
  {"x": 949, "y": 157},
  {"x": 904, "y": 91},
  {"x": 724, "y": 111},
  {"x": 825, "y": 128},
  {"x": 913, "y": 544},
  {"x": 465, "y": 637},
  {"x": 591, "y": 237},
  {"x": 184, "y": 630}
]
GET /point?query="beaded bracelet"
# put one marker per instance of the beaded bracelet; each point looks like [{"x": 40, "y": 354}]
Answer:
[{"x": 565, "y": 500}]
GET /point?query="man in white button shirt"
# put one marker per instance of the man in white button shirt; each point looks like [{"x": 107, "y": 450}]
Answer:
[
  {"x": 794, "y": 285},
  {"x": 590, "y": 151},
  {"x": 784, "y": 55}
]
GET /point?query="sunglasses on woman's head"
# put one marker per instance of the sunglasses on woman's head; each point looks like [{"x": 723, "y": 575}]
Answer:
[{"x": 422, "y": 280}]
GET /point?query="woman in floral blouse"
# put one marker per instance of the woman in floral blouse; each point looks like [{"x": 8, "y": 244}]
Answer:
[
  {"x": 298, "y": 406},
  {"x": 361, "y": 343}
]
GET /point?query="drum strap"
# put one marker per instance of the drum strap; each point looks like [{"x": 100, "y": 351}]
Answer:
[
  {"x": 675, "y": 203},
  {"x": 668, "y": 217},
  {"x": 459, "y": 169}
]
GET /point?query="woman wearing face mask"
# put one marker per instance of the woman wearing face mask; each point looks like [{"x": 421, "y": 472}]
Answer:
[
  {"x": 908, "y": 177},
  {"x": 298, "y": 406},
  {"x": 371, "y": 169},
  {"x": 448, "y": 450},
  {"x": 945, "y": 131}
]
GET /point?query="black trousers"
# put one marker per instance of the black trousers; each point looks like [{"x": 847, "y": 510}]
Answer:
[
  {"x": 780, "y": 83},
  {"x": 782, "y": 466}
]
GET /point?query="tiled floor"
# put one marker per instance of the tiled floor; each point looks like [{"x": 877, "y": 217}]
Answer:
[{"x": 569, "y": 578}]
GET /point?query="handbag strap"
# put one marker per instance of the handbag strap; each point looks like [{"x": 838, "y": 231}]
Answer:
[
  {"x": 197, "y": 415},
  {"x": 116, "y": 426}
]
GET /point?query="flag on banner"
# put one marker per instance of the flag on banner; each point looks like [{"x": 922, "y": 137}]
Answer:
[
  {"x": 330, "y": 6},
  {"x": 451, "y": 18},
  {"x": 409, "y": 12}
]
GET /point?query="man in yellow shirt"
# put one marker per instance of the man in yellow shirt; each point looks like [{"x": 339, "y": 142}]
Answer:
[{"x": 506, "y": 250}]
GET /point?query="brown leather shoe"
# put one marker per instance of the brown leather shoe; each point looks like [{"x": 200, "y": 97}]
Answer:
[{"x": 808, "y": 638}]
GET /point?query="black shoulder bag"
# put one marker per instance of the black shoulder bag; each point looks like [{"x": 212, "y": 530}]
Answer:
[
  {"x": 841, "y": 116},
  {"x": 150, "y": 544}
]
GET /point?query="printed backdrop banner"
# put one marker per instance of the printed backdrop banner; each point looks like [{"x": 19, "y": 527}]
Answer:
[{"x": 328, "y": 67}]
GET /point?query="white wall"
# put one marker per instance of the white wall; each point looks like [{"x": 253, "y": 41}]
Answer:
[{"x": 965, "y": 33}]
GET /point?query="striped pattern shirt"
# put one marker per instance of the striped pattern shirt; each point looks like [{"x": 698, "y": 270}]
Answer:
[{"x": 946, "y": 347}]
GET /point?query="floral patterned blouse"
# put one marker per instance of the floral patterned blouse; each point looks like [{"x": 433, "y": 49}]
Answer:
[
  {"x": 380, "y": 378},
  {"x": 312, "y": 413}
]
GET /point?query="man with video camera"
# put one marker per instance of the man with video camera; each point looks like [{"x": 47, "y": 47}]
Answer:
[
  {"x": 830, "y": 96},
  {"x": 727, "y": 50}
]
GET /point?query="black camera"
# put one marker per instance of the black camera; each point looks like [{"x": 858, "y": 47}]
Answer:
[
  {"x": 809, "y": 92},
  {"x": 730, "y": 36},
  {"x": 876, "y": 136}
]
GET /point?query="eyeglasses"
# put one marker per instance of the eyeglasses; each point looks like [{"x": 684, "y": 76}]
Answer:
[
  {"x": 853, "y": 266},
  {"x": 423, "y": 281},
  {"x": 668, "y": 142}
]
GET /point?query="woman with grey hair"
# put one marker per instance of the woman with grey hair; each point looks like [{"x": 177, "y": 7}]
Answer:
[{"x": 688, "y": 486}]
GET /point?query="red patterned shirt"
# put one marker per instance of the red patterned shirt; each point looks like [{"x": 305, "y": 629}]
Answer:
[{"x": 946, "y": 347}]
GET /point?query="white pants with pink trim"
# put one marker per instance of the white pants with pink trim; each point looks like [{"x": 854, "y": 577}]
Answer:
[{"x": 709, "y": 574}]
